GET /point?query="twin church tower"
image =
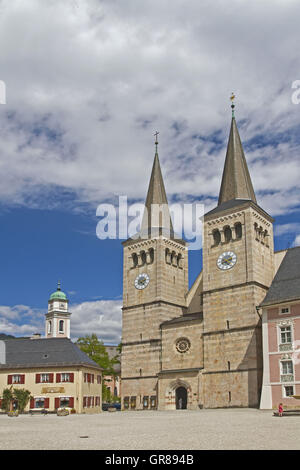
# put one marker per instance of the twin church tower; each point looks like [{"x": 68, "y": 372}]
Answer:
[{"x": 197, "y": 347}]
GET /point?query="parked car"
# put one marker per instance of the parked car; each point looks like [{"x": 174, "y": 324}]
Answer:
[{"x": 105, "y": 406}]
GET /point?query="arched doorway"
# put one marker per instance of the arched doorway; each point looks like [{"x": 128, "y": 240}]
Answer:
[{"x": 181, "y": 398}]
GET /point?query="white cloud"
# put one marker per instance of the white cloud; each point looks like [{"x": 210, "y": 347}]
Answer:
[
  {"x": 102, "y": 317},
  {"x": 89, "y": 82},
  {"x": 297, "y": 241}
]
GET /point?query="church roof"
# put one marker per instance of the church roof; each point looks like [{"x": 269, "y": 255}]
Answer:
[
  {"x": 156, "y": 218},
  {"x": 236, "y": 181},
  {"x": 286, "y": 284},
  {"x": 184, "y": 318},
  {"x": 237, "y": 204},
  {"x": 44, "y": 352},
  {"x": 156, "y": 199}
]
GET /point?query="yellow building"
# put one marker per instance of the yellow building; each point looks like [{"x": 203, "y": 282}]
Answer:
[{"x": 56, "y": 372}]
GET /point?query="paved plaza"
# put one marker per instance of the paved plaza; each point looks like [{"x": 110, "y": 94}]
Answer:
[{"x": 153, "y": 430}]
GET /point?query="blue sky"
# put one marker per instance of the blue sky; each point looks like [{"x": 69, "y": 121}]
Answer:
[{"x": 88, "y": 83}]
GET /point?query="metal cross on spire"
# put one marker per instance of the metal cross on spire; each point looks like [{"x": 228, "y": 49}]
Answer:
[
  {"x": 232, "y": 103},
  {"x": 156, "y": 142}
]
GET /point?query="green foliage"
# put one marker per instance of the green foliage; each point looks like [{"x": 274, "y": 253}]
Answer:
[
  {"x": 19, "y": 395},
  {"x": 7, "y": 398},
  {"x": 22, "y": 396},
  {"x": 95, "y": 349}
]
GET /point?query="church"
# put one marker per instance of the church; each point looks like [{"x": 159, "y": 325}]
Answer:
[{"x": 200, "y": 347}]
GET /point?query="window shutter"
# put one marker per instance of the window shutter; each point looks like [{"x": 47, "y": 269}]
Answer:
[
  {"x": 32, "y": 403},
  {"x": 71, "y": 402},
  {"x": 71, "y": 377},
  {"x": 92, "y": 378},
  {"x": 58, "y": 378},
  {"x": 51, "y": 376},
  {"x": 37, "y": 378},
  {"x": 57, "y": 402},
  {"x": 9, "y": 379},
  {"x": 46, "y": 403},
  {"x": 22, "y": 378}
]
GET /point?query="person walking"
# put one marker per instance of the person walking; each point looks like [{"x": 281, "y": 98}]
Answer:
[{"x": 280, "y": 409}]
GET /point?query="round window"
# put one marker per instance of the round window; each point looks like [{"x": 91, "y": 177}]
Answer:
[{"x": 183, "y": 345}]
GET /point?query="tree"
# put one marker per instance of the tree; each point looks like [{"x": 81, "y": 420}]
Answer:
[
  {"x": 19, "y": 396},
  {"x": 95, "y": 349},
  {"x": 22, "y": 397}
]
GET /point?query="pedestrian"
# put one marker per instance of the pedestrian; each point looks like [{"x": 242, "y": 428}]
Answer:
[{"x": 280, "y": 409}]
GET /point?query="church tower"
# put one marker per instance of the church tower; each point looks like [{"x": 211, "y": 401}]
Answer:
[
  {"x": 155, "y": 283},
  {"x": 58, "y": 316},
  {"x": 238, "y": 261}
]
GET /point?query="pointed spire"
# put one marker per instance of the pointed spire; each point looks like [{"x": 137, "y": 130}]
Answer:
[
  {"x": 236, "y": 180},
  {"x": 58, "y": 285},
  {"x": 157, "y": 214}
]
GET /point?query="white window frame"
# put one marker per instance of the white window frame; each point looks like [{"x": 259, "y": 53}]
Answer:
[
  {"x": 18, "y": 381},
  {"x": 281, "y": 327},
  {"x": 63, "y": 376},
  {"x": 42, "y": 376},
  {"x": 39, "y": 399},
  {"x": 285, "y": 361},
  {"x": 284, "y": 391},
  {"x": 64, "y": 398},
  {"x": 284, "y": 308}
]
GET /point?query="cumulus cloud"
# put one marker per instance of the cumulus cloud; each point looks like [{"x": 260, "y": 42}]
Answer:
[
  {"x": 102, "y": 317},
  {"x": 297, "y": 241},
  {"x": 88, "y": 82}
]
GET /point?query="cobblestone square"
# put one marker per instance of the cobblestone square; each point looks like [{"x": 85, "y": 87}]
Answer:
[{"x": 153, "y": 430}]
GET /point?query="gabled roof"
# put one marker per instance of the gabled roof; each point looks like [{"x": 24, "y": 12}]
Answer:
[
  {"x": 286, "y": 284},
  {"x": 47, "y": 352},
  {"x": 236, "y": 181}
]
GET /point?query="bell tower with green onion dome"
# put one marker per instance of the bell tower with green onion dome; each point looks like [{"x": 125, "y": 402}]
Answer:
[{"x": 58, "y": 316}]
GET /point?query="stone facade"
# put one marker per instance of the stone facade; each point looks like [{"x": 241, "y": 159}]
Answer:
[{"x": 200, "y": 347}]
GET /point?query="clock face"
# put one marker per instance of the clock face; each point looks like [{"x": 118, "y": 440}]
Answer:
[
  {"x": 141, "y": 281},
  {"x": 226, "y": 260}
]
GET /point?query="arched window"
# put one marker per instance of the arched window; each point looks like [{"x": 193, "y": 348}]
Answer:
[
  {"x": 168, "y": 256},
  {"x": 143, "y": 257},
  {"x": 174, "y": 258},
  {"x": 179, "y": 260},
  {"x": 135, "y": 260},
  {"x": 227, "y": 234},
  {"x": 217, "y": 237},
  {"x": 49, "y": 327},
  {"x": 61, "y": 326},
  {"x": 151, "y": 253},
  {"x": 238, "y": 230}
]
